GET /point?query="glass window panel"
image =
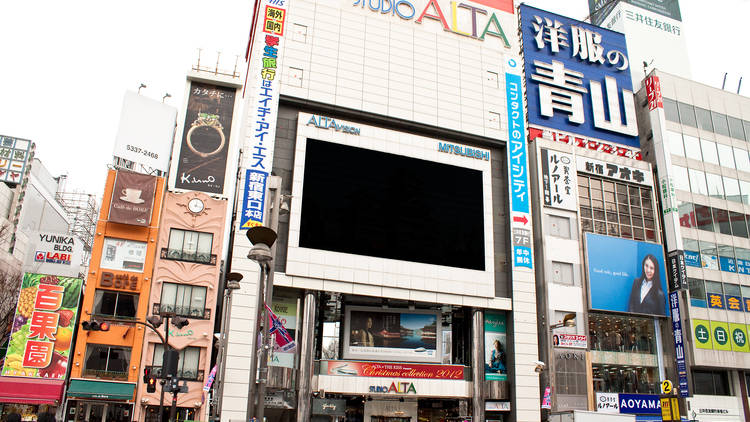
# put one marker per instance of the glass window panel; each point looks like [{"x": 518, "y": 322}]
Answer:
[
  {"x": 697, "y": 182},
  {"x": 119, "y": 359},
  {"x": 709, "y": 259},
  {"x": 709, "y": 151},
  {"x": 735, "y": 128},
  {"x": 714, "y": 287},
  {"x": 690, "y": 245},
  {"x": 715, "y": 185},
  {"x": 587, "y": 225},
  {"x": 697, "y": 292},
  {"x": 739, "y": 227},
  {"x": 96, "y": 357},
  {"x": 638, "y": 234},
  {"x": 703, "y": 382},
  {"x": 742, "y": 253},
  {"x": 721, "y": 383},
  {"x": 726, "y": 251},
  {"x": 731, "y": 289},
  {"x": 720, "y": 123},
  {"x": 626, "y": 231},
  {"x": 105, "y": 302},
  {"x": 745, "y": 291},
  {"x": 746, "y": 125},
  {"x": 726, "y": 158},
  {"x": 680, "y": 178},
  {"x": 732, "y": 189},
  {"x": 670, "y": 110},
  {"x": 674, "y": 143},
  {"x": 703, "y": 218},
  {"x": 745, "y": 191},
  {"x": 692, "y": 147},
  {"x": 168, "y": 297},
  {"x": 176, "y": 239},
  {"x": 687, "y": 114},
  {"x": 721, "y": 221},
  {"x": 686, "y": 214},
  {"x": 704, "y": 119},
  {"x": 742, "y": 159},
  {"x": 127, "y": 305}
]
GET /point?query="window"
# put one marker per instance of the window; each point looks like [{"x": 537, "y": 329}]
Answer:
[
  {"x": 704, "y": 119},
  {"x": 692, "y": 147},
  {"x": 562, "y": 273},
  {"x": 192, "y": 246},
  {"x": 686, "y": 214},
  {"x": 614, "y": 333},
  {"x": 674, "y": 143},
  {"x": 690, "y": 245},
  {"x": 115, "y": 304},
  {"x": 709, "y": 151},
  {"x": 739, "y": 226},
  {"x": 725, "y": 155},
  {"x": 188, "y": 364},
  {"x": 742, "y": 159},
  {"x": 745, "y": 191},
  {"x": 697, "y": 182},
  {"x": 720, "y": 123},
  {"x": 745, "y": 290},
  {"x": 616, "y": 209},
  {"x": 708, "y": 256},
  {"x": 559, "y": 226},
  {"x": 687, "y": 114},
  {"x": 697, "y": 292},
  {"x": 732, "y": 189},
  {"x": 726, "y": 252},
  {"x": 732, "y": 289},
  {"x": 670, "y": 110},
  {"x": 703, "y": 218},
  {"x": 746, "y": 125},
  {"x": 183, "y": 300},
  {"x": 715, "y": 186},
  {"x": 735, "y": 128},
  {"x": 714, "y": 287},
  {"x": 721, "y": 221},
  {"x": 712, "y": 383},
  {"x": 109, "y": 362},
  {"x": 680, "y": 178}
]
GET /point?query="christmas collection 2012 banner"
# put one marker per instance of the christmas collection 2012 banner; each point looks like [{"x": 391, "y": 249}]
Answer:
[
  {"x": 395, "y": 370},
  {"x": 42, "y": 332}
]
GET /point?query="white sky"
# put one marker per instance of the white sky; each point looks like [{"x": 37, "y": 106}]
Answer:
[{"x": 65, "y": 66}]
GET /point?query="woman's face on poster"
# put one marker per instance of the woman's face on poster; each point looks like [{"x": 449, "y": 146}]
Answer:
[{"x": 648, "y": 269}]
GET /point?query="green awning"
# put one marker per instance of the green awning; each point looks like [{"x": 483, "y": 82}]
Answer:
[{"x": 101, "y": 389}]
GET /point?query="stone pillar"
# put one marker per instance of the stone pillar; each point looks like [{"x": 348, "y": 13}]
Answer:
[
  {"x": 477, "y": 364},
  {"x": 304, "y": 406}
]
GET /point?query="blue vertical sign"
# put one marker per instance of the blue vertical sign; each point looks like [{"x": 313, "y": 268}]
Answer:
[
  {"x": 254, "y": 199},
  {"x": 674, "y": 306},
  {"x": 518, "y": 175}
]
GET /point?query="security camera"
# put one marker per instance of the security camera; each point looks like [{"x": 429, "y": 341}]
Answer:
[
  {"x": 539, "y": 366},
  {"x": 316, "y": 394}
]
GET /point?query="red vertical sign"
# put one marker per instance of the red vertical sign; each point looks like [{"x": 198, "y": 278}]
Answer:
[{"x": 653, "y": 92}]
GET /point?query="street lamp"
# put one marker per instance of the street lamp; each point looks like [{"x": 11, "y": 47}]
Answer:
[
  {"x": 569, "y": 320},
  {"x": 262, "y": 239}
]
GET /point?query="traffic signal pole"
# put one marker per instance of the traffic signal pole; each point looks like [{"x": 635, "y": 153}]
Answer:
[{"x": 163, "y": 382}]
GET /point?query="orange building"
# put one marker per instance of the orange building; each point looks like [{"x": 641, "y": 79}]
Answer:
[{"x": 106, "y": 364}]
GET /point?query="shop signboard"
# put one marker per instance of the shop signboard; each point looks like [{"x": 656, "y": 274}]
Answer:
[
  {"x": 132, "y": 198},
  {"x": 382, "y": 334},
  {"x": 495, "y": 344},
  {"x": 123, "y": 255},
  {"x": 677, "y": 270},
  {"x": 392, "y": 370},
  {"x": 640, "y": 404},
  {"x": 679, "y": 344},
  {"x": 615, "y": 171},
  {"x": 559, "y": 180},
  {"x": 330, "y": 407},
  {"x": 584, "y": 143},
  {"x": 607, "y": 403},
  {"x": 738, "y": 335},
  {"x": 55, "y": 253},
  {"x": 720, "y": 334},
  {"x": 14, "y": 158},
  {"x": 577, "y": 77},
  {"x": 626, "y": 275},
  {"x": 254, "y": 199},
  {"x": 599, "y": 9},
  {"x": 43, "y": 326},
  {"x": 702, "y": 334},
  {"x": 206, "y": 134},
  {"x": 575, "y": 341}
]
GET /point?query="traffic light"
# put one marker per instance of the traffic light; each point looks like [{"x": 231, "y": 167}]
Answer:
[
  {"x": 95, "y": 325},
  {"x": 151, "y": 384},
  {"x": 180, "y": 322}
]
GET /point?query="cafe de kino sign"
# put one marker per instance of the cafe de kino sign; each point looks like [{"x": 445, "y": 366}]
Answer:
[
  {"x": 396, "y": 387},
  {"x": 475, "y": 19}
]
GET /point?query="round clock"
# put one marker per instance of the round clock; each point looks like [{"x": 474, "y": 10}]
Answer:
[{"x": 195, "y": 205}]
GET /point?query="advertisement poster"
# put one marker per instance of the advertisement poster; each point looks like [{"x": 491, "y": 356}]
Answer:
[
  {"x": 43, "y": 328},
  {"x": 385, "y": 335},
  {"x": 123, "y": 255},
  {"x": 202, "y": 163},
  {"x": 285, "y": 309},
  {"x": 132, "y": 198},
  {"x": 626, "y": 275},
  {"x": 495, "y": 359},
  {"x": 393, "y": 370},
  {"x": 559, "y": 181},
  {"x": 54, "y": 253},
  {"x": 575, "y": 341}
]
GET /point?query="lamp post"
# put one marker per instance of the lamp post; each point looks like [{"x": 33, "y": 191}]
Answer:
[
  {"x": 548, "y": 371},
  {"x": 232, "y": 284}
]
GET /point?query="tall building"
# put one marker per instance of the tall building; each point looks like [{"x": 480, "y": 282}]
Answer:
[
  {"x": 403, "y": 269},
  {"x": 696, "y": 136}
]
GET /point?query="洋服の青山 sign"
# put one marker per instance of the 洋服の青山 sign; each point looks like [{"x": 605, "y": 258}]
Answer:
[
  {"x": 395, "y": 370},
  {"x": 465, "y": 18}
]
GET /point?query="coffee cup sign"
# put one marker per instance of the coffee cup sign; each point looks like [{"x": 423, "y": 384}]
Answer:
[{"x": 132, "y": 198}]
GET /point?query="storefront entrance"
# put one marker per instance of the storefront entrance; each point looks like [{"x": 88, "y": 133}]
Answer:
[{"x": 93, "y": 411}]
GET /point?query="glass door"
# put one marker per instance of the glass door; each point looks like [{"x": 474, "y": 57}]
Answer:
[{"x": 95, "y": 412}]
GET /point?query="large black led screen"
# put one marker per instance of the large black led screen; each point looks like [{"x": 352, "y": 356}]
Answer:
[{"x": 372, "y": 203}]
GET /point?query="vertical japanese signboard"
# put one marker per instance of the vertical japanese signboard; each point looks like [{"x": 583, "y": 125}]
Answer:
[
  {"x": 264, "y": 80},
  {"x": 559, "y": 184},
  {"x": 518, "y": 167},
  {"x": 653, "y": 93},
  {"x": 40, "y": 340},
  {"x": 14, "y": 157},
  {"x": 679, "y": 346},
  {"x": 577, "y": 78}
]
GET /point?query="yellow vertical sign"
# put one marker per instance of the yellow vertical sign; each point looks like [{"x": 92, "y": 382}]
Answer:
[
  {"x": 675, "y": 409},
  {"x": 666, "y": 412}
]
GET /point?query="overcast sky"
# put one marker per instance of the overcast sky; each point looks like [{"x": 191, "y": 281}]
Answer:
[{"x": 65, "y": 66}]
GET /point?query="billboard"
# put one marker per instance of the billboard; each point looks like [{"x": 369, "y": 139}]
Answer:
[
  {"x": 146, "y": 132},
  {"x": 577, "y": 77},
  {"x": 626, "y": 275},
  {"x": 559, "y": 180},
  {"x": 132, "y": 198},
  {"x": 42, "y": 332},
  {"x": 599, "y": 9},
  {"x": 204, "y": 147},
  {"x": 392, "y": 370},
  {"x": 383, "y": 334},
  {"x": 495, "y": 344},
  {"x": 55, "y": 253},
  {"x": 15, "y": 154}
]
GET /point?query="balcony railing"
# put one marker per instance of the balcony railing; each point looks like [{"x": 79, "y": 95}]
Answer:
[
  {"x": 105, "y": 375},
  {"x": 188, "y": 375},
  {"x": 180, "y": 255},
  {"x": 183, "y": 311}
]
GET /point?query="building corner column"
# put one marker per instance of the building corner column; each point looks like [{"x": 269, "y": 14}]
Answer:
[
  {"x": 306, "y": 357},
  {"x": 477, "y": 364}
]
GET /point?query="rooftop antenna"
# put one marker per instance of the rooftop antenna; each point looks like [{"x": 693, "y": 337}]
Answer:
[
  {"x": 166, "y": 95},
  {"x": 645, "y": 67},
  {"x": 142, "y": 86},
  {"x": 739, "y": 85},
  {"x": 725, "y": 81}
]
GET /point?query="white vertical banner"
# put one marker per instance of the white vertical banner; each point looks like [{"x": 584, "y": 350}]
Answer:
[
  {"x": 559, "y": 180},
  {"x": 264, "y": 86}
]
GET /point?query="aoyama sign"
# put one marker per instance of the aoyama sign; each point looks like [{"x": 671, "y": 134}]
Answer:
[{"x": 54, "y": 253}]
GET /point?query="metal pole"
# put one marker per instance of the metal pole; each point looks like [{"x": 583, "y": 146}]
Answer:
[
  {"x": 221, "y": 358},
  {"x": 162, "y": 382},
  {"x": 274, "y": 185},
  {"x": 254, "y": 353},
  {"x": 173, "y": 409},
  {"x": 477, "y": 364},
  {"x": 306, "y": 358}
]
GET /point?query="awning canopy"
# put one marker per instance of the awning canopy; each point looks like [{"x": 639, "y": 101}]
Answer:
[
  {"x": 101, "y": 389},
  {"x": 30, "y": 390}
]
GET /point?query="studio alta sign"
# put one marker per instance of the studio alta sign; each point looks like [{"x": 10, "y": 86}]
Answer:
[
  {"x": 475, "y": 19},
  {"x": 395, "y": 387}
]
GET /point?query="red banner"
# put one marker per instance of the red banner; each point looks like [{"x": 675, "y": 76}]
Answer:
[
  {"x": 394, "y": 370},
  {"x": 653, "y": 92}
]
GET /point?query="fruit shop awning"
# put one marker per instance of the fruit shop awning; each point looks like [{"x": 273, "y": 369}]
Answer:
[
  {"x": 30, "y": 390},
  {"x": 101, "y": 389}
]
